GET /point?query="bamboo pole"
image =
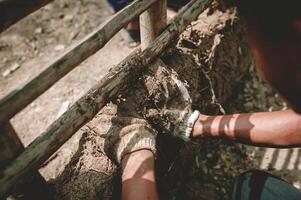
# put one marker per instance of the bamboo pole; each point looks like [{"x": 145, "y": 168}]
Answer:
[
  {"x": 26, "y": 93},
  {"x": 12, "y": 11},
  {"x": 152, "y": 22},
  {"x": 97, "y": 97}
]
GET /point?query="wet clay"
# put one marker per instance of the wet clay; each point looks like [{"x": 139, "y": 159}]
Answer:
[{"x": 198, "y": 71}]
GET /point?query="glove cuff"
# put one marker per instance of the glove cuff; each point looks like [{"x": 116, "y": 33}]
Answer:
[
  {"x": 190, "y": 123},
  {"x": 134, "y": 138}
]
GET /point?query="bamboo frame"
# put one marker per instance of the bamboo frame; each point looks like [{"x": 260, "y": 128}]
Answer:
[
  {"x": 23, "y": 95},
  {"x": 88, "y": 105},
  {"x": 152, "y": 22}
]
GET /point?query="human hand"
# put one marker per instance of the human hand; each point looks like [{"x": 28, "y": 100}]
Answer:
[
  {"x": 128, "y": 135},
  {"x": 181, "y": 122}
]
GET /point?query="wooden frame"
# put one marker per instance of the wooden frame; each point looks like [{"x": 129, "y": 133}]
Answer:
[
  {"x": 152, "y": 22},
  {"x": 88, "y": 105},
  {"x": 23, "y": 95}
]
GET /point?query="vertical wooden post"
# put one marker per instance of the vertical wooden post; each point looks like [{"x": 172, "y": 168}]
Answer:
[
  {"x": 33, "y": 186},
  {"x": 152, "y": 22},
  {"x": 10, "y": 144}
]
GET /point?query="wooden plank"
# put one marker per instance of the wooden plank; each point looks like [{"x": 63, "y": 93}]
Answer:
[
  {"x": 88, "y": 105},
  {"x": 152, "y": 22},
  {"x": 34, "y": 185},
  {"x": 12, "y": 11},
  {"x": 26, "y": 93}
]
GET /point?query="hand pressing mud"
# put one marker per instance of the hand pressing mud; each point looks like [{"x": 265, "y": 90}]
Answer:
[
  {"x": 142, "y": 111},
  {"x": 181, "y": 121},
  {"x": 162, "y": 98},
  {"x": 129, "y": 135}
]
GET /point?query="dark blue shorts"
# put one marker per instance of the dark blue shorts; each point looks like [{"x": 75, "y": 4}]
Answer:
[
  {"x": 259, "y": 185},
  {"x": 119, "y": 4}
]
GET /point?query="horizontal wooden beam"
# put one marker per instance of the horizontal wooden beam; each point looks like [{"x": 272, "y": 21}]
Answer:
[
  {"x": 26, "y": 93},
  {"x": 12, "y": 11},
  {"x": 97, "y": 97}
]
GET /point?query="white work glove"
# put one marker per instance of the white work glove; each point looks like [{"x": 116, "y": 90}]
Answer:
[
  {"x": 181, "y": 122},
  {"x": 128, "y": 135}
]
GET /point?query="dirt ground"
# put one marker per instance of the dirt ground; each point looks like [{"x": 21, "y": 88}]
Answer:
[{"x": 39, "y": 38}]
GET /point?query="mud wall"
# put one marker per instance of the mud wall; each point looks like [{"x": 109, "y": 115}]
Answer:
[
  {"x": 216, "y": 51},
  {"x": 210, "y": 58}
]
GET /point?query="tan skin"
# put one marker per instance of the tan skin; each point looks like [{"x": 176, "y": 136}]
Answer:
[
  {"x": 138, "y": 177},
  {"x": 277, "y": 50},
  {"x": 268, "y": 129}
]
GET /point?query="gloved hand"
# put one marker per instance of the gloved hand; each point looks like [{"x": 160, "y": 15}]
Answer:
[
  {"x": 127, "y": 135},
  {"x": 181, "y": 122}
]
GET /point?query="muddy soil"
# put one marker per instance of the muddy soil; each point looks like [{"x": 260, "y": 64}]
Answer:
[
  {"x": 36, "y": 41},
  {"x": 207, "y": 62}
]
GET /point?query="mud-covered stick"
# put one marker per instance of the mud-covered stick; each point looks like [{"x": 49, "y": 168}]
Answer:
[{"x": 24, "y": 94}]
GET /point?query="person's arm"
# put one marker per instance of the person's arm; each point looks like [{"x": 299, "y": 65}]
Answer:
[
  {"x": 131, "y": 143},
  {"x": 269, "y": 129},
  {"x": 138, "y": 177}
]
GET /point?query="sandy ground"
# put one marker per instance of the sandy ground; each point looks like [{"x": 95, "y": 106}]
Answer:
[{"x": 38, "y": 39}]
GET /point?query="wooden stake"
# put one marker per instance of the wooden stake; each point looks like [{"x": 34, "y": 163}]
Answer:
[
  {"x": 152, "y": 22},
  {"x": 11, "y": 145},
  {"x": 34, "y": 185}
]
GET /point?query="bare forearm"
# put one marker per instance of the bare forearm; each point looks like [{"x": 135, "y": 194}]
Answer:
[
  {"x": 270, "y": 129},
  {"x": 138, "y": 177}
]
